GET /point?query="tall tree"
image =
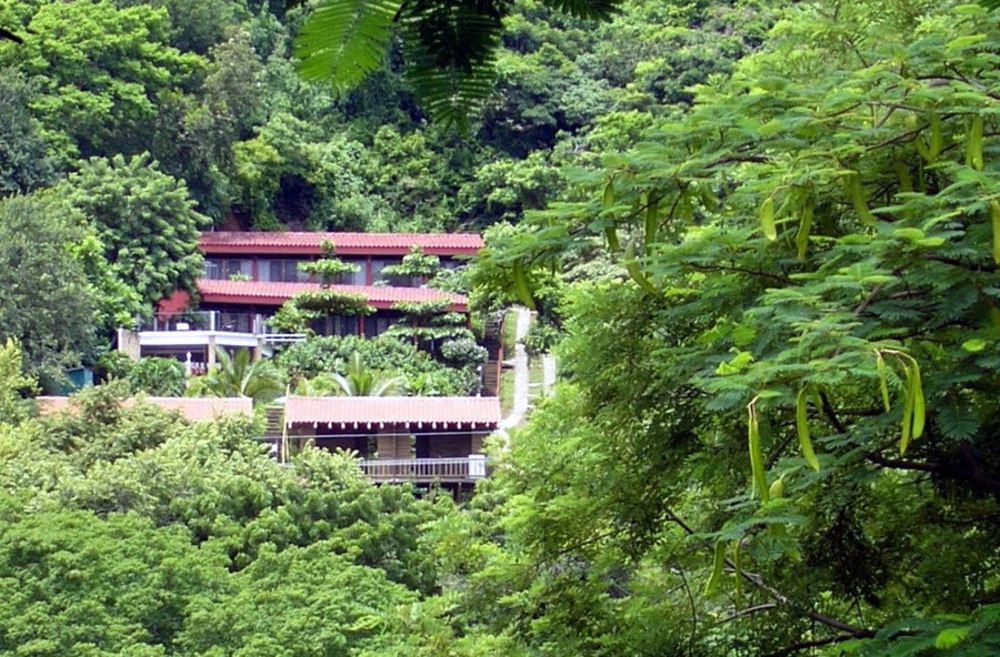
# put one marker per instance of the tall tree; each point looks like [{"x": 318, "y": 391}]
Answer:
[
  {"x": 24, "y": 161},
  {"x": 46, "y": 304},
  {"x": 103, "y": 73},
  {"x": 145, "y": 220}
]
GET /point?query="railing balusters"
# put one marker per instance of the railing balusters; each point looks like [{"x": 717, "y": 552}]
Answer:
[{"x": 423, "y": 470}]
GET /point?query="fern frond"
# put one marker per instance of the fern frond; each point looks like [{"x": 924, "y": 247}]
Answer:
[
  {"x": 451, "y": 95},
  {"x": 342, "y": 41},
  {"x": 589, "y": 9},
  {"x": 450, "y": 57}
]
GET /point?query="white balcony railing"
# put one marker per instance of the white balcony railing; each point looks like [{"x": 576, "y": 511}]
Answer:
[{"x": 425, "y": 470}]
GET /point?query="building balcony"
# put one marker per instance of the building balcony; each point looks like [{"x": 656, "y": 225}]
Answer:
[{"x": 425, "y": 470}]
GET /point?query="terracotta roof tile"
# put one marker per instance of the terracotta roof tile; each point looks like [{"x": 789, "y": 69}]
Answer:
[
  {"x": 478, "y": 412},
  {"x": 191, "y": 408},
  {"x": 266, "y": 293},
  {"x": 310, "y": 243}
]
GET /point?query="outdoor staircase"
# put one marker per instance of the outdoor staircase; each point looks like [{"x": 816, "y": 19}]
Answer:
[{"x": 275, "y": 415}]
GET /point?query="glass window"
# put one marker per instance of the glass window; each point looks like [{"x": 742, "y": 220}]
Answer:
[
  {"x": 345, "y": 325},
  {"x": 283, "y": 271},
  {"x": 378, "y": 264},
  {"x": 223, "y": 269},
  {"x": 360, "y": 277},
  {"x": 376, "y": 325}
]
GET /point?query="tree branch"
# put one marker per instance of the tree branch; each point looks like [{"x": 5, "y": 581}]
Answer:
[
  {"x": 741, "y": 270},
  {"x": 779, "y": 597}
]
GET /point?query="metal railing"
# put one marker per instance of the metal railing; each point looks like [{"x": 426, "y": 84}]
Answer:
[
  {"x": 205, "y": 320},
  {"x": 425, "y": 470}
]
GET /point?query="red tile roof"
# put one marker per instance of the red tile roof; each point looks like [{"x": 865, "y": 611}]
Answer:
[
  {"x": 411, "y": 412},
  {"x": 191, "y": 408},
  {"x": 275, "y": 294},
  {"x": 263, "y": 243}
]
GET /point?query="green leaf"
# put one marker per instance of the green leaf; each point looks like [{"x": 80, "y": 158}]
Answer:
[
  {"x": 974, "y": 345},
  {"x": 951, "y": 637}
]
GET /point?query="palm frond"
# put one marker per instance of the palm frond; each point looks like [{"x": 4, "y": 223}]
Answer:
[{"x": 342, "y": 41}]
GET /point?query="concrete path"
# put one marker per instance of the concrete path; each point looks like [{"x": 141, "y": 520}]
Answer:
[
  {"x": 548, "y": 373},
  {"x": 517, "y": 413}
]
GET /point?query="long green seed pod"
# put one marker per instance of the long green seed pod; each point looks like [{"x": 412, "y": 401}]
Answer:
[
  {"x": 521, "y": 289},
  {"x": 974, "y": 144},
  {"x": 919, "y": 415},
  {"x": 995, "y": 222},
  {"x": 718, "y": 564},
  {"x": 904, "y": 440},
  {"x": 856, "y": 194},
  {"x": 937, "y": 139},
  {"x": 767, "y": 219},
  {"x": 903, "y": 174},
  {"x": 611, "y": 233},
  {"x": 652, "y": 226},
  {"x": 805, "y": 226},
  {"x": 883, "y": 380},
  {"x": 608, "y": 197},
  {"x": 777, "y": 490},
  {"x": 738, "y": 569},
  {"x": 756, "y": 455},
  {"x": 635, "y": 271},
  {"x": 802, "y": 427}
]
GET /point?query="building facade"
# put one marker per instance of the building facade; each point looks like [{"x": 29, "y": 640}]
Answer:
[{"x": 248, "y": 276}]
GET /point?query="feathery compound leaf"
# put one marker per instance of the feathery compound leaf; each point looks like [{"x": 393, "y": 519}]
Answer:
[
  {"x": 805, "y": 226},
  {"x": 344, "y": 40},
  {"x": 590, "y": 9},
  {"x": 718, "y": 563},
  {"x": 767, "y": 219},
  {"x": 802, "y": 427}
]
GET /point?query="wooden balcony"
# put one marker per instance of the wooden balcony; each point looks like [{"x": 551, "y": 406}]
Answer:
[{"x": 428, "y": 470}]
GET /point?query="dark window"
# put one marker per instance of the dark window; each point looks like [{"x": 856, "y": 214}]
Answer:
[
  {"x": 223, "y": 269},
  {"x": 283, "y": 271}
]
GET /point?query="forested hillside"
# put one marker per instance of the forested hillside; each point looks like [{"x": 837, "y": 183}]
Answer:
[{"x": 762, "y": 240}]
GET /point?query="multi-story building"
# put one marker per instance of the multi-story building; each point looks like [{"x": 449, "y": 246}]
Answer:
[{"x": 249, "y": 275}]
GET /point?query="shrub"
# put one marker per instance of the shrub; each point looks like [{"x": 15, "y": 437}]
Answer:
[
  {"x": 541, "y": 338},
  {"x": 163, "y": 377},
  {"x": 423, "y": 374},
  {"x": 463, "y": 352}
]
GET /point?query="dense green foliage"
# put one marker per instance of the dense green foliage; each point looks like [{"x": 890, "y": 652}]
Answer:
[
  {"x": 763, "y": 237},
  {"x": 422, "y": 374},
  {"x": 778, "y": 427}
]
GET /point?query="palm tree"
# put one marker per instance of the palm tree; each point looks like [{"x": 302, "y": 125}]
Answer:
[
  {"x": 238, "y": 376},
  {"x": 362, "y": 381}
]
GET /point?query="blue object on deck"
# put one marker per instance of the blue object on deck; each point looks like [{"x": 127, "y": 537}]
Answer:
[{"x": 77, "y": 379}]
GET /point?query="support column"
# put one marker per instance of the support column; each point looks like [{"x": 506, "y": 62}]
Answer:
[{"x": 210, "y": 356}]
